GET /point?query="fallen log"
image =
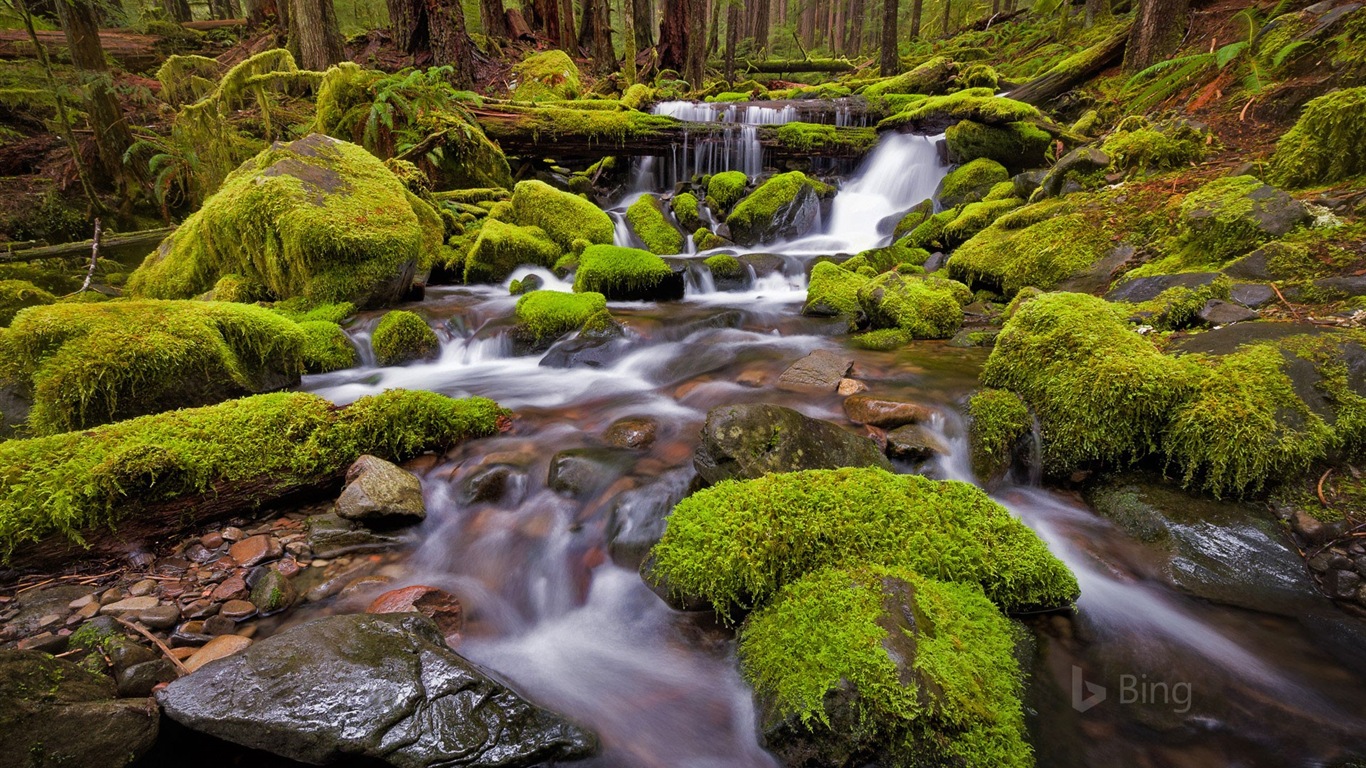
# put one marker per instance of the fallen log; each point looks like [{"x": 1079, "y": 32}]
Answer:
[
  {"x": 781, "y": 66},
  {"x": 133, "y": 51},
  {"x": 115, "y": 246},
  {"x": 1073, "y": 70}
]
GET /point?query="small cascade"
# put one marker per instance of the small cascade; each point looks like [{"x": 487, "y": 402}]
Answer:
[{"x": 736, "y": 149}]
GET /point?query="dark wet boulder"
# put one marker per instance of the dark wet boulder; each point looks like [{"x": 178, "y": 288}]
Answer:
[
  {"x": 1231, "y": 216},
  {"x": 1141, "y": 289},
  {"x": 636, "y": 432},
  {"x": 330, "y": 536},
  {"x": 1218, "y": 312},
  {"x": 579, "y": 472},
  {"x": 747, "y": 441},
  {"x": 640, "y": 515},
  {"x": 56, "y": 713},
  {"x": 784, "y": 207},
  {"x": 384, "y": 687}
]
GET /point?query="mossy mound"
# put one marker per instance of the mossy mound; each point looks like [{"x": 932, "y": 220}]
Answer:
[
  {"x": 240, "y": 289},
  {"x": 73, "y": 483},
  {"x": 832, "y": 291},
  {"x": 784, "y": 206},
  {"x": 1327, "y": 144},
  {"x": 975, "y": 217},
  {"x": 1038, "y": 245},
  {"x": 820, "y": 136},
  {"x": 687, "y": 211},
  {"x": 1229, "y": 217},
  {"x": 724, "y": 266},
  {"x": 882, "y": 661},
  {"x": 926, "y": 307},
  {"x": 402, "y": 337},
  {"x": 547, "y": 76},
  {"x": 326, "y": 347},
  {"x": 979, "y": 105},
  {"x": 1017, "y": 146},
  {"x": 726, "y": 189},
  {"x": 564, "y": 217},
  {"x": 20, "y": 294},
  {"x": 626, "y": 274},
  {"x": 971, "y": 182},
  {"x": 929, "y": 233},
  {"x": 88, "y": 364},
  {"x": 1176, "y": 308},
  {"x": 500, "y": 248},
  {"x": 317, "y": 217},
  {"x": 739, "y": 542},
  {"x": 913, "y": 218},
  {"x": 1148, "y": 149},
  {"x": 997, "y": 419},
  {"x": 648, "y": 222},
  {"x": 932, "y": 77},
  {"x": 543, "y": 316}
]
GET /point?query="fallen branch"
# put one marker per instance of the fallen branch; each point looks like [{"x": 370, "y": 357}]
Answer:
[
  {"x": 130, "y": 241},
  {"x": 1322, "y": 499},
  {"x": 1073, "y": 70},
  {"x": 141, "y": 630},
  {"x": 94, "y": 257}
]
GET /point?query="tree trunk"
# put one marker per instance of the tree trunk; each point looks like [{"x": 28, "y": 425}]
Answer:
[
  {"x": 697, "y": 56},
  {"x": 112, "y": 135},
  {"x": 917, "y": 7},
  {"x": 176, "y": 10},
  {"x": 762, "y": 11},
  {"x": 1159, "y": 28},
  {"x": 493, "y": 18},
  {"x": 568, "y": 42},
  {"x": 1095, "y": 11},
  {"x": 733, "y": 15},
  {"x": 258, "y": 11},
  {"x": 596, "y": 34},
  {"x": 853, "y": 41},
  {"x": 891, "y": 62},
  {"x": 948, "y": 6},
  {"x": 711, "y": 9},
  {"x": 450, "y": 43},
  {"x": 673, "y": 35},
  {"x": 628, "y": 42},
  {"x": 644, "y": 13},
  {"x": 314, "y": 34}
]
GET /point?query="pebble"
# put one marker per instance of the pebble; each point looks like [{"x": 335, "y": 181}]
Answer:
[
  {"x": 88, "y": 610},
  {"x": 144, "y": 587},
  {"x": 233, "y": 533},
  {"x": 159, "y": 617},
  {"x": 43, "y": 641},
  {"x": 112, "y": 596},
  {"x": 849, "y": 387},
  {"x": 440, "y": 606},
  {"x": 288, "y": 567},
  {"x": 219, "y": 625},
  {"x": 233, "y": 588},
  {"x": 256, "y": 549},
  {"x": 237, "y": 610},
  {"x": 212, "y": 540},
  {"x": 200, "y": 609},
  {"x": 81, "y": 602},
  {"x": 184, "y": 653},
  {"x": 198, "y": 553},
  {"x": 753, "y": 378},
  {"x": 129, "y": 605},
  {"x": 217, "y": 648}
]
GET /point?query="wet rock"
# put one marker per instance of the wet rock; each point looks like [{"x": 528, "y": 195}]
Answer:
[
  {"x": 1080, "y": 161},
  {"x": 1217, "y": 312},
  {"x": 35, "y": 605},
  {"x": 634, "y": 432},
  {"x": 129, "y": 605},
  {"x": 273, "y": 593},
  {"x": 46, "y": 642},
  {"x": 752, "y": 378},
  {"x": 1342, "y": 584},
  {"x": 914, "y": 442},
  {"x": 883, "y": 412},
  {"x": 819, "y": 371},
  {"x": 587, "y": 350},
  {"x": 1341, "y": 287},
  {"x": 219, "y": 647},
  {"x": 139, "y": 679},
  {"x": 315, "y": 694},
  {"x": 443, "y": 608},
  {"x": 1253, "y": 207},
  {"x": 1252, "y": 295},
  {"x": 579, "y": 472},
  {"x": 378, "y": 491},
  {"x": 491, "y": 484},
  {"x": 256, "y": 549},
  {"x": 850, "y": 387},
  {"x": 640, "y": 515},
  {"x": 232, "y": 588},
  {"x": 238, "y": 610},
  {"x": 747, "y": 441},
  {"x": 1140, "y": 289},
  {"x": 1312, "y": 530},
  {"x": 142, "y": 588},
  {"x": 330, "y": 536},
  {"x": 56, "y": 713},
  {"x": 162, "y": 616}
]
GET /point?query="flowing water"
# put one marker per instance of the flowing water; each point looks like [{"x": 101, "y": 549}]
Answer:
[{"x": 564, "y": 616}]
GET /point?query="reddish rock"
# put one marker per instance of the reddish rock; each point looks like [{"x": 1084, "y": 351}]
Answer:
[
  {"x": 441, "y": 607},
  {"x": 232, "y": 588},
  {"x": 237, "y": 610},
  {"x": 215, "y": 649},
  {"x": 256, "y": 549},
  {"x": 212, "y": 540},
  {"x": 875, "y": 411}
]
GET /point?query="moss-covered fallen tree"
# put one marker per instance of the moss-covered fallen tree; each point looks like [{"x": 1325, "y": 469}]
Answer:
[{"x": 107, "y": 489}]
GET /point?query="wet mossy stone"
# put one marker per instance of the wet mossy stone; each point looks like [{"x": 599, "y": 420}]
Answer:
[
  {"x": 83, "y": 485},
  {"x": 725, "y": 189},
  {"x": 563, "y": 217},
  {"x": 326, "y": 347},
  {"x": 975, "y": 217},
  {"x": 627, "y": 274},
  {"x": 1231, "y": 216},
  {"x": 546, "y": 76},
  {"x": 384, "y": 687},
  {"x": 971, "y": 182},
  {"x": 1017, "y": 146},
  {"x": 500, "y": 248},
  {"x": 748, "y": 441},
  {"x": 1155, "y": 149},
  {"x": 1039, "y": 245},
  {"x": 402, "y": 337},
  {"x": 871, "y": 663},
  {"x": 783, "y": 207},
  {"x": 88, "y": 364},
  {"x": 936, "y": 113},
  {"x": 649, "y": 223},
  {"x": 544, "y": 316},
  {"x": 924, "y": 306},
  {"x": 738, "y": 543},
  {"x": 932, "y": 77},
  {"x": 1327, "y": 143},
  {"x": 997, "y": 421},
  {"x": 317, "y": 217},
  {"x": 20, "y": 294},
  {"x": 913, "y": 218},
  {"x": 687, "y": 211},
  {"x": 833, "y": 291},
  {"x": 727, "y": 272},
  {"x": 1077, "y": 169}
]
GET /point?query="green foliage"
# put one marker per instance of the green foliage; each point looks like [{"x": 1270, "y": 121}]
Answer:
[
  {"x": 1146, "y": 149},
  {"x": 546, "y": 76},
  {"x": 648, "y": 222},
  {"x": 726, "y": 189},
  {"x": 997, "y": 418},
  {"x": 928, "y": 78},
  {"x": 547, "y": 315},
  {"x": 20, "y": 294},
  {"x": 402, "y": 337},
  {"x": 924, "y": 306},
  {"x": 613, "y": 270},
  {"x": 500, "y": 248},
  {"x": 979, "y": 76},
  {"x": 241, "y": 289},
  {"x": 74, "y": 482},
  {"x": 1327, "y": 143},
  {"x": 1177, "y": 307},
  {"x": 637, "y": 96},
  {"x": 740, "y": 542},
  {"x": 564, "y": 217}
]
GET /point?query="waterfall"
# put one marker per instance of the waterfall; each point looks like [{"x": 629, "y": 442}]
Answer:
[{"x": 736, "y": 149}]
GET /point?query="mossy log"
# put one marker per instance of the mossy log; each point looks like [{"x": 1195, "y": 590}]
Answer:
[
  {"x": 782, "y": 66},
  {"x": 134, "y": 244},
  {"x": 1074, "y": 70}
]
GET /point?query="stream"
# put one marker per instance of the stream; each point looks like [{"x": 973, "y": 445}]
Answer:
[{"x": 561, "y": 613}]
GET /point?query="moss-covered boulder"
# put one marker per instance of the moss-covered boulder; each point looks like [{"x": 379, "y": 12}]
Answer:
[
  {"x": 317, "y": 217},
  {"x": 833, "y": 291},
  {"x": 727, "y": 272},
  {"x": 1327, "y": 144},
  {"x": 971, "y": 182},
  {"x": 726, "y": 189},
  {"x": 739, "y": 542},
  {"x": 109, "y": 486},
  {"x": 924, "y": 306},
  {"x": 544, "y": 316},
  {"x": 783, "y": 207},
  {"x": 562, "y": 216},
  {"x": 855, "y": 664},
  {"x": 997, "y": 420},
  {"x": 20, "y": 294},
  {"x": 627, "y": 274},
  {"x": 980, "y": 105},
  {"x": 1231, "y": 216},
  {"x": 975, "y": 217},
  {"x": 649, "y": 223},
  {"x": 87, "y": 364},
  {"x": 402, "y": 337},
  {"x": 687, "y": 211},
  {"x": 908, "y": 221},
  {"x": 1039, "y": 245},
  {"x": 500, "y": 248},
  {"x": 326, "y": 347},
  {"x": 1018, "y": 146},
  {"x": 546, "y": 76},
  {"x": 1157, "y": 148}
]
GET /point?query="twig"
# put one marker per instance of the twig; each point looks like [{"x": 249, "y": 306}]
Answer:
[
  {"x": 1326, "y": 473},
  {"x": 141, "y": 630},
  {"x": 1287, "y": 304},
  {"x": 94, "y": 256},
  {"x": 35, "y": 585},
  {"x": 1242, "y": 116}
]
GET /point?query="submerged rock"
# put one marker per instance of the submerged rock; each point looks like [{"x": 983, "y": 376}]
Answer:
[
  {"x": 383, "y": 687},
  {"x": 748, "y": 441},
  {"x": 820, "y": 371}
]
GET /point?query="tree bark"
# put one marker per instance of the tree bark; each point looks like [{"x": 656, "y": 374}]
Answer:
[
  {"x": 697, "y": 56},
  {"x": 435, "y": 26},
  {"x": 258, "y": 11},
  {"x": 853, "y": 41},
  {"x": 596, "y": 34},
  {"x": 917, "y": 8},
  {"x": 711, "y": 9},
  {"x": 891, "y": 62},
  {"x": 643, "y": 12},
  {"x": 762, "y": 12},
  {"x": 314, "y": 35},
  {"x": 493, "y": 18},
  {"x": 568, "y": 42},
  {"x": 628, "y": 42},
  {"x": 673, "y": 35},
  {"x": 1095, "y": 11},
  {"x": 948, "y": 6},
  {"x": 1158, "y": 30},
  {"x": 176, "y": 10},
  {"x": 733, "y": 16},
  {"x": 112, "y": 134}
]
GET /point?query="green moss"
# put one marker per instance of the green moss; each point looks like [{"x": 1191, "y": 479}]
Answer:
[
  {"x": 883, "y": 340},
  {"x": 706, "y": 240},
  {"x": 544, "y": 316},
  {"x": 1016, "y": 145},
  {"x": 547, "y": 76},
  {"x": 20, "y": 294},
  {"x": 326, "y": 347},
  {"x": 637, "y": 96},
  {"x": 564, "y": 217},
  {"x": 726, "y": 189},
  {"x": 739, "y": 542},
  {"x": 979, "y": 76},
  {"x": 615, "y": 271},
  {"x": 240, "y": 289},
  {"x": 833, "y": 290},
  {"x": 1220, "y": 220},
  {"x": 686, "y": 211},
  {"x": 402, "y": 337},
  {"x": 317, "y": 217},
  {"x": 500, "y": 248},
  {"x": 930, "y": 232},
  {"x": 930, "y": 77},
  {"x": 997, "y": 419},
  {"x": 1041, "y": 254},
  {"x": 971, "y": 181},
  {"x": 753, "y": 217},
  {"x": 926, "y": 307},
  {"x": 1327, "y": 143},
  {"x": 648, "y": 222},
  {"x": 75, "y": 482},
  {"x": 88, "y": 364},
  {"x": 979, "y": 105},
  {"x": 724, "y": 266},
  {"x": 975, "y": 217},
  {"x": 913, "y": 218},
  {"x": 1176, "y": 308},
  {"x": 888, "y": 257},
  {"x": 956, "y": 701},
  {"x": 817, "y": 136},
  {"x": 1146, "y": 149}
]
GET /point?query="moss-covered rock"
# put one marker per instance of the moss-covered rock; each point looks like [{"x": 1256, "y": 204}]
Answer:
[
  {"x": 546, "y": 76},
  {"x": 926, "y": 307},
  {"x": 821, "y": 136},
  {"x": 832, "y": 291},
  {"x": 706, "y": 240},
  {"x": 979, "y": 105},
  {"x": 1039, "y": 245},
  {"x": 79, "y": 484},
  {"x": 544, "y": 316},
  {"x": 739, "y": 542},
  {"x": 975, "y": 217},
  {"x": 726, "y": 189},
  {"x": 564, "y": 217},
  {"x": 87, "y": 364},
  {"x": 648, "y": 222},
  {"x": 848, "y": 663},
  {"x": 1018, "y": 146},
  {"x": 240, "y": 289},
  {"x": 20, "y": 294},
  {"x": 326, "y": 347},
  {"x": 687, "y": 211},
  {"x": 316, "y": 217},
  {"x": 1149, "y": 149},
  {"x": 997, "y": 419},
  {"x": 1229, "y": 217},
  {"x": 402, "y": 337},
  {"x": 971, "y": 182},
  {"x": 627, "y": 274},
  {"x": 726, "y": 271},
  {"x": 929, "y": 233},
  {"x": 785, "y": 206},
  {"x": 913, "y": 218},
  {"x": 1327, "y": 144},
  {"x": 932, "y": 77},
  {"x": 500, "y": 248}
]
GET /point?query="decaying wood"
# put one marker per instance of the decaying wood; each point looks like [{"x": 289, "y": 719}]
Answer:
[
  {"x": 781, "y": 66},
  {"x": 1061, "y": 79},
  {"x": 132, "y": 50},
  {"x": 114, "y": 246}
]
